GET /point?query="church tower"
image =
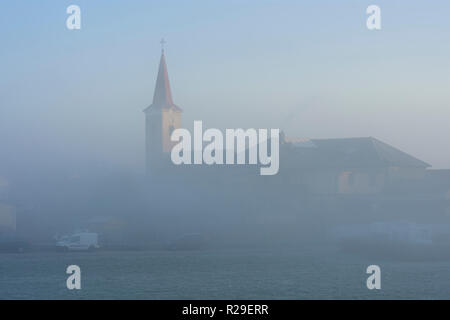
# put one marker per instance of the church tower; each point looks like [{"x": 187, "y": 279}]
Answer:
[{"x": 162, "y": 117}]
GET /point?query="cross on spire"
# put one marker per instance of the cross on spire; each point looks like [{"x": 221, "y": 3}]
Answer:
[
  {"x": 162, "y": 42},
  {"x": 162, "y": 97}
]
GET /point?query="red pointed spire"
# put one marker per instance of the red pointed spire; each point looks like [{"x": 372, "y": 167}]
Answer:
[{"x": 162, "y": 97}]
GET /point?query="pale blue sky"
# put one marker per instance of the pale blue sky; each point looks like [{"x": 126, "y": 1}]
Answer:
[{"x": 310, "y": 68}]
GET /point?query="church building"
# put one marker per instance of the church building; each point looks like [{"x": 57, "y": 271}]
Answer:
[{"x": 316, "y": 166}]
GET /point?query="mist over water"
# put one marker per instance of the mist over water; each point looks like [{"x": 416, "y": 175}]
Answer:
[{"x": 363, "y": 169}]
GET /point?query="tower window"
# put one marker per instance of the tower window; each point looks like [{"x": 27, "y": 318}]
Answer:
[{"x": 171, "y": 129}]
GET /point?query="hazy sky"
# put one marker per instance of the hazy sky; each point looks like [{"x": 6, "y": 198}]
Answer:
[{"x": 310, "y": 68}]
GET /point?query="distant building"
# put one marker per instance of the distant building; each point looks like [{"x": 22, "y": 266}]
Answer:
[
  {"x": 7, "y": 218},
  {"x": 3, "y": 188},
  {"x": 352, "y": 166},
  {"x": 437, "y": 182},
  {"x": 349, "y": 166},
  {"x": 7, "y": 212}
]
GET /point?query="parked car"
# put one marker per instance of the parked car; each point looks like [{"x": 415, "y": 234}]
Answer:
[{"x": 80, "y": 241}]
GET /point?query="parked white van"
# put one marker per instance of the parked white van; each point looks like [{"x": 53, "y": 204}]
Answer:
[{"x": 80, "y": 241}]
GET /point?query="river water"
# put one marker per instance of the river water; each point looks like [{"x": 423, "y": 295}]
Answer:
[{"x": 286, "y": 273}]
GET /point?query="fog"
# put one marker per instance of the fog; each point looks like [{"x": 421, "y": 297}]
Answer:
[{"x": 72, "y": 127}]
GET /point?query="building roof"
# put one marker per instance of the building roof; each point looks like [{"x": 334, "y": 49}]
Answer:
[
  {"x": 162, "y": 97},
  {"x": 353, "y": 153},
  {"x": 299, "y": 142}
]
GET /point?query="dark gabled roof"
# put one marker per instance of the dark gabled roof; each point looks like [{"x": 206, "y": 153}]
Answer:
[
  {"x": 396, "y": 157},
  {"x": 353, "y": 153}
]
